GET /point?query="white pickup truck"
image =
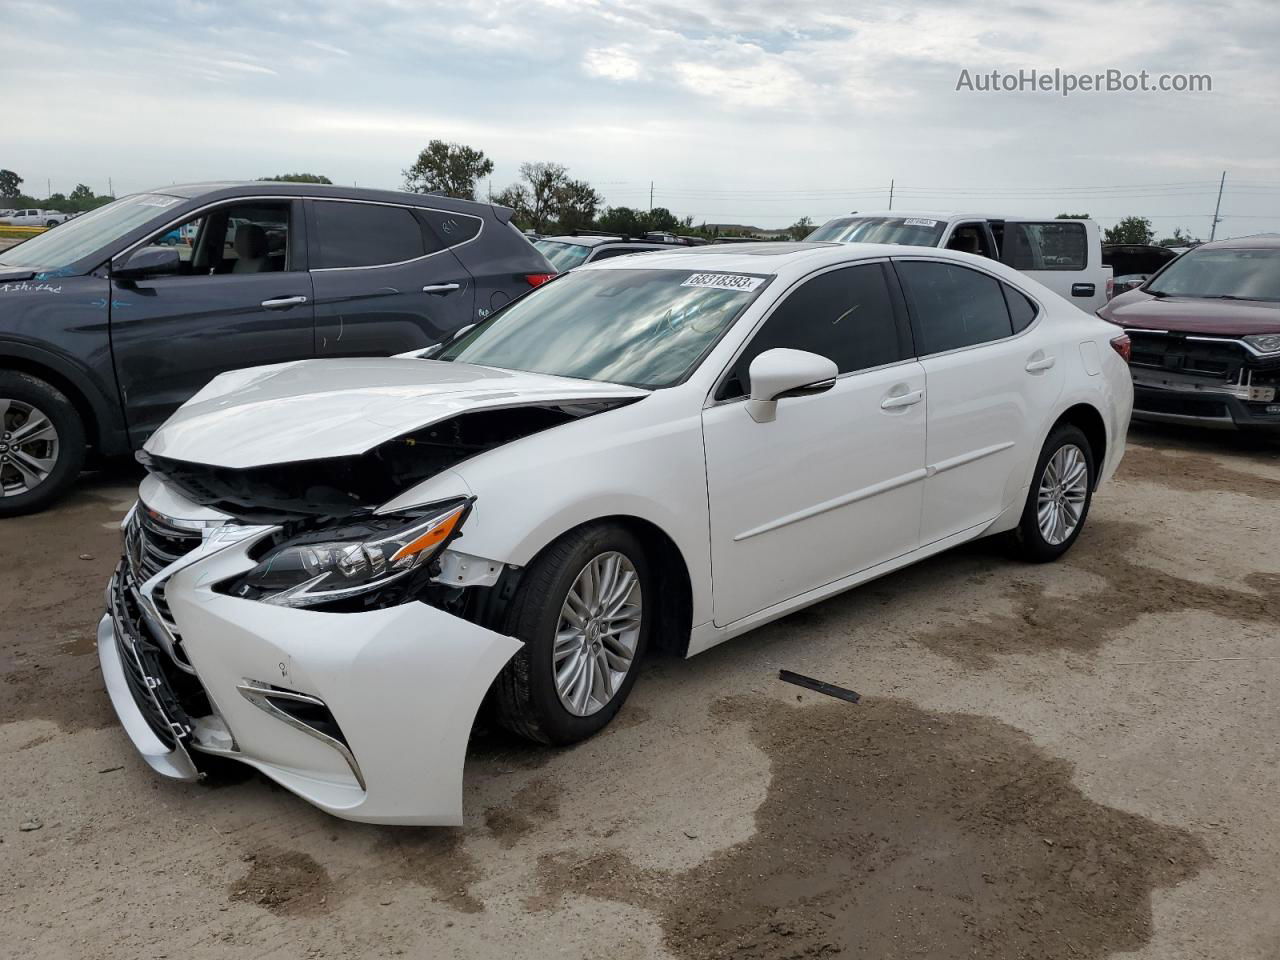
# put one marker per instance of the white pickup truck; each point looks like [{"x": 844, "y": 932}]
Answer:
[
  {"x": 1064, "y": 255},
  {"x": 35, "y": 218}
]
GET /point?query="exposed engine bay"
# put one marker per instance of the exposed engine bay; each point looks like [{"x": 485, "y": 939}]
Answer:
[{"x": 323, "y": 490}]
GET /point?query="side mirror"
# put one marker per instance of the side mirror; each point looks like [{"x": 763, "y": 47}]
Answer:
[
  {"x": 782, "y": 373},
  {"x": 148, "y": 262}
]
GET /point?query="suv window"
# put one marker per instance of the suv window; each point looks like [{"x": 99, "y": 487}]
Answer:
[
  {"x": 845, "y": 315},
  {"x": 364, "y": 235},
  {"x": 952, "y": 306},
  {"x": 1052, "y": 245},
  {"x": 246, "y": 237},
  {"x": 451, "y": 228}
]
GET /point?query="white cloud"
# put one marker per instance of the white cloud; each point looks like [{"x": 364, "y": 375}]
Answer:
[{"x": 611, "y": 63}]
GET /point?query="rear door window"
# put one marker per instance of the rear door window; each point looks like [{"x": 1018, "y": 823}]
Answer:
[
  {"x": 952, "y": 306},
  {"x": 1052, "y": 245},
  {"x": 364, "y": 235}
]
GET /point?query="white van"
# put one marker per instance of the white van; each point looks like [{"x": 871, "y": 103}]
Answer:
[{"x": 1064, "y": 255}]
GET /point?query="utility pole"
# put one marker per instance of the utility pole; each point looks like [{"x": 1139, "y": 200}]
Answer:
[
  {"x": 111, "y": 190},
  {"x": 48, "y": 186},
  {"x": 1214, "y": 229},
  {"x": 651, "y": 196},
  {"x": 890, "y": 194}
]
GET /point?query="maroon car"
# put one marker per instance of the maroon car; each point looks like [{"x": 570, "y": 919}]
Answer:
[{"x": 1205, "y": 335}]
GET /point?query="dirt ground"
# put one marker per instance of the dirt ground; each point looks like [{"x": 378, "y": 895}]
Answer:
[{"x": 1070, "y": 760}]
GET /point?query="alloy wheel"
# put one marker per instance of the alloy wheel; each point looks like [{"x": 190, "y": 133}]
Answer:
[
  {"x": 28, "y": 447},
  {"x": 1064, "y": 487},
  {"x": 597, "y": 634}
]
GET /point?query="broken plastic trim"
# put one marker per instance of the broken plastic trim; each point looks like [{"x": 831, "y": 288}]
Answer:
[{"x": 341, "y": 487}]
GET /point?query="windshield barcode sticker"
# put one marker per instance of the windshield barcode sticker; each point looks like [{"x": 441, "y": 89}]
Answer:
[
  {"x": 919, "y": 222},
  {"x": 723, "y": 281}
]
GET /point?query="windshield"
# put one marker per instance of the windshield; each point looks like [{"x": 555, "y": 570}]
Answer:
[
  {"x": 911, "y": 231},
  {"x": 78, "y": 238},
  {"x": 645, "y": 328},
  {"x": 1242, "y": 274},
  {"x": 563, "y": 256}
]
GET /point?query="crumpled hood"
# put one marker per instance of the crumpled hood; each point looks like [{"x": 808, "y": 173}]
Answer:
[{"x": 317, "y": 409}]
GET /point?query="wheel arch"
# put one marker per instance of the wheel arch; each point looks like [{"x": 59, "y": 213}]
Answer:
[
  {"x": 102, "y": 427},
  {"x": 1093, "y": 425},
  {"x": 674, "y": 586}
]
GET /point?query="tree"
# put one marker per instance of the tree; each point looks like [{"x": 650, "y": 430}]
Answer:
[
  {"x": 1129, "y": 230},
  {"x": 576, "y": 202},
  {"x": 1073, "y": 216},
  {"x": 81, "y": 194},
  {"x": 298, "y": 178},
  {"x": 623, "y": 220},
  {"x": 9, "y": 184},
  {"x": 448, "y": 168},
  {"x": 1180, "y": 238},
  {"x": 545, "y": 196},
  {"x": 800, "y": 229}
]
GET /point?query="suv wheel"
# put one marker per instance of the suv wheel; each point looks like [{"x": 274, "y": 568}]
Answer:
[
  {"x": 1058, "y": 501},
  {"x": 584, "y": 610},
  {"x": 41, "y": 443}
]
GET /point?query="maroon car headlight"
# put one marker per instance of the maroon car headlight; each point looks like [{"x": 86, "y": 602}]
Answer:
[{"x": 1264, "y": 343}]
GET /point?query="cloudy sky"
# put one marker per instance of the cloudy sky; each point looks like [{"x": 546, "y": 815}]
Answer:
[{"x": 756, "y": 112}]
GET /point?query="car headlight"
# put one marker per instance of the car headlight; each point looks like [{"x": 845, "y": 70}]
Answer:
[
  {"x": 343, "y": 562},
  {"x": 1264, "y": 342}
]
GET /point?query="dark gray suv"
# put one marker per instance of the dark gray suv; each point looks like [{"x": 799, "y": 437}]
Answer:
[{"x": 112, "y": 321}]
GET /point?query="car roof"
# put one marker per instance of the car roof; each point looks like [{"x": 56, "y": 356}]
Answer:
[
  {"x": 1257, "y": 241},
  {"x": 923, "y": 214},
  {"x": 583, "y": 241},
  {"x": 226, "y": 189},
  {"x": 780, "y": 257}
]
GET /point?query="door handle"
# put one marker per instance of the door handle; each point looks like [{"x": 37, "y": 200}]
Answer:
[
  {"x": 283, "y": 303},
  {"x": 441, "y": 287},
  {"x": 1082, "y": 289},
  {"x": 902, "y": 400},
  {"x": 1043, "y": 363}
]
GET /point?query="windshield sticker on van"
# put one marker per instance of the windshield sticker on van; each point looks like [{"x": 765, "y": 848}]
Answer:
[
  {"x": 919, "y": 222},
  {"x": 723, "y": 281}
]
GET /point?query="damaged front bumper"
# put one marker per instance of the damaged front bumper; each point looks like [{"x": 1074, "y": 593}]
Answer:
[
  {"x": 1206, "y": 381},
  {"x": 366, "y": 715}
]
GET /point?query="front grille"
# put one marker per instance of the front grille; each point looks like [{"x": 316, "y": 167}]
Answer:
[
  {"x": 151, "y": 543},
  {"x": 156, "y": 690},
  {"x": 1176, "y": 352}
]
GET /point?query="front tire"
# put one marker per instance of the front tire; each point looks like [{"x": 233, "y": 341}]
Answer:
[
  {"x": 584, "y": 610},
  {"x": 42, "y": 443},
  {"x": 1058, "y": 501}
]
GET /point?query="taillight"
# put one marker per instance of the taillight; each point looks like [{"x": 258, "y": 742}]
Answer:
[
  {"x": 538, "y": 279},
  {"x": 1111, "y": 287},
  {"x": 1123, "y": 346}
]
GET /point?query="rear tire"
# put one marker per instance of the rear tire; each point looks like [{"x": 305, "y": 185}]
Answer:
[
  {"x": 1058, "y": 501},
  {"x": 42, "y": 443},
  {"x": 534, "y": 696}
]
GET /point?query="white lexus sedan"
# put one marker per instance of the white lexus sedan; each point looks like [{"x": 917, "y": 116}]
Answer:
[{"x": 333, "y": 563}]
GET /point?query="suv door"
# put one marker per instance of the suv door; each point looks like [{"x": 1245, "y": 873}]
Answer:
[
  {"x": 833, "y": 485},
  {"x": 1064, "y": 255},
  {"x": 384, "y": 281},
  {"x": 242, "y": 298},
  {"x": 991, "y": 373}
]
